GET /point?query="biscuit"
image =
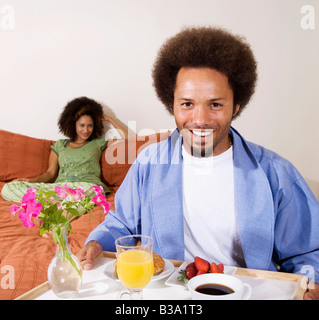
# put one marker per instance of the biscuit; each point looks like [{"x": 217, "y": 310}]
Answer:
[{"x": 159, "y": 263}]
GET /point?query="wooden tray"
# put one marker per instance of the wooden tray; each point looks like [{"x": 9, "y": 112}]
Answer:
[{"x": 301, "y": 281}]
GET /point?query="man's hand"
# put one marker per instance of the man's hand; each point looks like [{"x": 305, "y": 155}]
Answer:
[
  {"x": 89, "y": 253},
  {"x": 312, "y": 292}
]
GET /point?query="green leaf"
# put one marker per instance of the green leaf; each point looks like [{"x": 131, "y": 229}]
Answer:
[
  {"x": 50, "y": 194},
  {"x": 183, "y": 276},
  {"x": 59, "y": 219},
  {"x": 55, "y": 213},
  {"x": 55, "y": 236},
  {"x": 43, "y": 231},
  {"x": 73, "y": 211}
]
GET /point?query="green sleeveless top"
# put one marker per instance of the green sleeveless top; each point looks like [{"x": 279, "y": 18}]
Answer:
[{"x": 80, "y": 164}]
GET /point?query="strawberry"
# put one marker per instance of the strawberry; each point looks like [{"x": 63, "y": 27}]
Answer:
[
  {"x": 201, "y": 264},
  {"x": 190, "y": 272},
  {"x": 220, "y": 268},
  {"x": 190, "y": 266},
  {"x": 200, "y": 272},
  {"x": 214, "y": 268}
]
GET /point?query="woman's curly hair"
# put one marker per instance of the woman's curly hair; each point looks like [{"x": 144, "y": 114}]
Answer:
[
  {"x": 77, "y": 108},
  {"x": 206, "y": 47}
]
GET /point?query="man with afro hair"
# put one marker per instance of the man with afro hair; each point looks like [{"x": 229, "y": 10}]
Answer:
[{"x": 206, "y": 191}]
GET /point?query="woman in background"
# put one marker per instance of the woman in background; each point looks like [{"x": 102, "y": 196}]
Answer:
[{"x": 74, "y": 161}]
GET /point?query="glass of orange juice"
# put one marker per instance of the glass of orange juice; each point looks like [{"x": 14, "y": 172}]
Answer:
[{"x": 134, "y": 264}]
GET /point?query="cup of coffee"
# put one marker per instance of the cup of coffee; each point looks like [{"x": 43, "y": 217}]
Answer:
[{"x": 218, "y": 286}]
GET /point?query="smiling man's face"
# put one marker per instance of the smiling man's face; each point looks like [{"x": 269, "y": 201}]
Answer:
[{"x": 203, "y": 110}]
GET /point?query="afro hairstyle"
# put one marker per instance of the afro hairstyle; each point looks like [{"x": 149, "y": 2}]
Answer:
[
  {"x": 76, "y": 109},
  {"x": 206, "y": 47}
]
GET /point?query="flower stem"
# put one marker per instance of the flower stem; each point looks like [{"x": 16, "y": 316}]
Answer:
[{"x": 64, "y": 248}]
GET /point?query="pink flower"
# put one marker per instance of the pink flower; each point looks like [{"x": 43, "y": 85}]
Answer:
[
  {"x": 63, "y": 192},
  {"x": 32, "y": 210},
  {"x": 106, "y": 206},
  {"x": 77, "y": 193},
  {"x": 100, "y": 198},
  {"x": 14, "y": 209},
  {"x": 97, "y": 189},
  {"x": 29, "y": 208}
]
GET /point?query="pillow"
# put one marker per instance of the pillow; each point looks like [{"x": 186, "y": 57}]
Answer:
[
  {"x": 117, "y": 159},
  {"x": 22, "y": 156}
]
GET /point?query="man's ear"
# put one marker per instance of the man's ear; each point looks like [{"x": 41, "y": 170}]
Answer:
[{"x": 236, "y": 109}]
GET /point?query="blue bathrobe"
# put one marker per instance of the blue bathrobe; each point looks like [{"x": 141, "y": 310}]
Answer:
[{"x": 277, "y": 214}]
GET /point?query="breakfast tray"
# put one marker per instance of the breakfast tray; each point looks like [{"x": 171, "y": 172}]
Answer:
[{"x": 266, "y": 284}]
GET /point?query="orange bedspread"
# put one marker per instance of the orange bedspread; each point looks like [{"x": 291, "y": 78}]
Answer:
[{"x": 24, "y": 254}]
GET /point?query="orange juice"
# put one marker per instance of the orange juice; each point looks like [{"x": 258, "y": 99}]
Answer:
[{"x": 135, "y": 268}]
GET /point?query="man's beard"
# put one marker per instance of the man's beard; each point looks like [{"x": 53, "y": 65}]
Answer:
[
  {"x": 202, "y": 152},
  {"x": 199, "y": 149}
]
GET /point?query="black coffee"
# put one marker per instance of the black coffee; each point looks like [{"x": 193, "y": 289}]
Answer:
[{"x": 214, "y": 289}]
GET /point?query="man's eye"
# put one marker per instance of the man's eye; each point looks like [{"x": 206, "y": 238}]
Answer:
[
  {"x": 216, "y": 105},
  {"x": 187, "y": 104}
]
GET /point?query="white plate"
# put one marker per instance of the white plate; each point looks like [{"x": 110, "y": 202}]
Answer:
[
  {"x": 167, "y": 271},
  {"x": 173, "y": 279}
]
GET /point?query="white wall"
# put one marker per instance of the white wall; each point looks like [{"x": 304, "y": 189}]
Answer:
[{"x": 105, "y": 49}]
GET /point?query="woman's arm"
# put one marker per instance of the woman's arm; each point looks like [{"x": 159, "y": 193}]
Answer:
[
  {"x": 49, "y": 174},
  {"x": 122, "y": 131}
]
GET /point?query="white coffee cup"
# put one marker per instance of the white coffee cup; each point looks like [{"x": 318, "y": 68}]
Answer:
[{"x": 241, "y": 290}]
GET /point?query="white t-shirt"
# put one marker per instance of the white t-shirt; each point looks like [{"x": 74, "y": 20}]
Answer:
[{"x": 210, "y": 227}]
